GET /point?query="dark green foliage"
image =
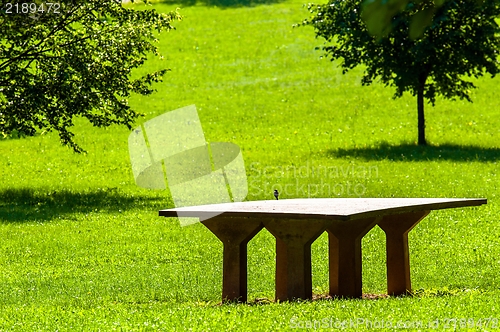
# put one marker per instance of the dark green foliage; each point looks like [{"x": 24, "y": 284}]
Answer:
[
  {"x": 55, "y": 67},
  {"x": 461, "y": 41}
]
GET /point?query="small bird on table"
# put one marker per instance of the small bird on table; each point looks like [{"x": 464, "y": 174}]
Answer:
[{"x": 276, "y": 193}]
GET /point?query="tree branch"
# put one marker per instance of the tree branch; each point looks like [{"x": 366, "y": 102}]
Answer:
[{"x": 62, "y": 24}]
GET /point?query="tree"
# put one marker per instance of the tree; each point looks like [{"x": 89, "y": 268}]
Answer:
[
  {"x": 74, "y": 60},
  {"x": 461, "y": 41}
]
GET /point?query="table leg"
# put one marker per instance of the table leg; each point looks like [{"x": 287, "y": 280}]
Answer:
[
  {"x": 396, "y": 228},
  {"x": 234, "y": 233},
  {"x": 293, "y": 255},
  {"x": 344, "y": 238}
]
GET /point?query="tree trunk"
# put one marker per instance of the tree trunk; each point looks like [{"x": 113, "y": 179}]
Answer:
[{"x": 420, "y": 108}]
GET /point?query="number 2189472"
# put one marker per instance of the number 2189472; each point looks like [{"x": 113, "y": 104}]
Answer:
[{"x": 32, "y": 8}]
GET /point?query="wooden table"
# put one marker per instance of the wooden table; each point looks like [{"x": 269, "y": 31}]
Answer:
[{"x": 297, "y": 223}]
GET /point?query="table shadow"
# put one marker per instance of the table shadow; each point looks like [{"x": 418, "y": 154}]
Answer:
[
  {"x": 413, "y": 152},
  {"x": 419, "y": 293},
  {"x": 26, "y": 204}
]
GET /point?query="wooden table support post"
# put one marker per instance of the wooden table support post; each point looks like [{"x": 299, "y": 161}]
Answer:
[
  {"x": 344, "y": 241},
  {"x": 293, "y": 255},
  {"x": 234, "y": 233},
  {"x": 396, "y": 228}
]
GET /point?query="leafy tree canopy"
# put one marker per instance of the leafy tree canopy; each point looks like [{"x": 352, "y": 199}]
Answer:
[
  {"x": 462, "y": 40},
  {"x": 75, "y": 61}
]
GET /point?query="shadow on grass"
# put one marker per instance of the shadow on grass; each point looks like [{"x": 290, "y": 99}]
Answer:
[
  {"x": 16, "y": 135},
  {"x": 444, "y": 292},
  {"x": 419, "y": 293},
  {"x": 315, "y": 297},
  {"x": 220, "y": 3},
  {"x": 23, "y": 205},
  {"x": 411, "y": 152}
]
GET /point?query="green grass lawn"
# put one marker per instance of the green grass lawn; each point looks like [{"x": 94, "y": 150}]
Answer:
[{"x": 83, "y": 248}]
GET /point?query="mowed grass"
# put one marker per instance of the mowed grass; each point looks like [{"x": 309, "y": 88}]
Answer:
[{"x": 83, "y": 248}]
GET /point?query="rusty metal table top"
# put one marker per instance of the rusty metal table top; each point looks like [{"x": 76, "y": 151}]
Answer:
[{"x": 318, "y": 208}]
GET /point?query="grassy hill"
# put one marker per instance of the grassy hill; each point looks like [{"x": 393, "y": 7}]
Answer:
[{"x": 82, "y": 247}]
